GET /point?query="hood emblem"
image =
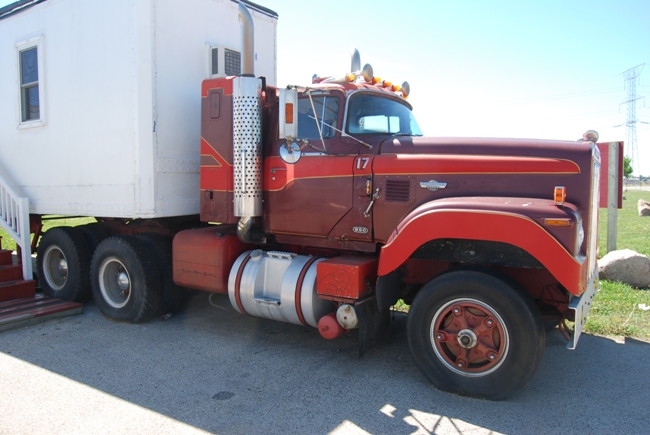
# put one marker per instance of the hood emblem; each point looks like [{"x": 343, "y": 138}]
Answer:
[{"x": 432, "y": 185}]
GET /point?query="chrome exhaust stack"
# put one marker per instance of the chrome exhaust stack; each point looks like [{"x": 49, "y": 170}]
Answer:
[
  {"x": 247, "y": 41},
  {"x": 247, "y": 135}
]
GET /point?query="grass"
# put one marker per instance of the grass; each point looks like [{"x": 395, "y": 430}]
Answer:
[{"x": 615, "y": 310}]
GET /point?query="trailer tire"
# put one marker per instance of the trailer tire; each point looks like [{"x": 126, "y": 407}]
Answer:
[
  {"x": 95, "y": 233},
  {"x": 63, "y": 264},
  {"x": 474, "y": 334},
  {"x": 172, "y": 296},
  {"x": 125, "y": 280}
]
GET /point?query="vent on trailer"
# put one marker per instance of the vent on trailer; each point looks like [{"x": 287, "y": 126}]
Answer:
[{"x": 224, "y": 62}]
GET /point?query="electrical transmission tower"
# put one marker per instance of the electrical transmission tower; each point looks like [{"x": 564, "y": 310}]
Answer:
[{"x": 631, "y": 77}]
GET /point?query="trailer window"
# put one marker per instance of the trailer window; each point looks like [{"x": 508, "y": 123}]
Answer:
[
  {"x": 326, "y": 114},
  {"x": 372, "y": 114},
  {"x": 29, "y": 95}
]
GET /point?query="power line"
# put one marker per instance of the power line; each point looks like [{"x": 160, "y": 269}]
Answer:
[{"x": 631, "y": 78}]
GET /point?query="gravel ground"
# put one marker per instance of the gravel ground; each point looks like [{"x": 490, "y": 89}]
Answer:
[{"x": 212, "y": 370}]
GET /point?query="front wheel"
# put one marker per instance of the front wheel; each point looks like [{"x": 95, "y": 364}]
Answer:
[{"x": 472, "y": 333}]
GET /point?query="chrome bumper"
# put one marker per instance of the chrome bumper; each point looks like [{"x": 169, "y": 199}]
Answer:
[{"x": 580, "y": 306}]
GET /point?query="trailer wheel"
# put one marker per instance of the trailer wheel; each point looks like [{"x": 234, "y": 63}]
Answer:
[
  {"x": 125, "y": 280},
  {"x": 172, "y": 296},
  {"x": 95, "y": 233},
  {"x": 472, "y": 333},
  {"x": 63, "y": 264}
]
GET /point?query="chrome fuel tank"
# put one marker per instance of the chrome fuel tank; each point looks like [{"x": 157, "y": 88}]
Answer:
[{"x": 277, "y": 285}]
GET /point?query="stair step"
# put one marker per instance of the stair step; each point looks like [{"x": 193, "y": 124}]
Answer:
[
  {"x": 38, "y": 308},
  {"x": 5, "y": 257},
  {"x": 17, "y": 289},
  {"x": 12, "y": 272}
]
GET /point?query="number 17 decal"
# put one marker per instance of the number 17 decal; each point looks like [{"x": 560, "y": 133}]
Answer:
[{"x": 362, "y": 162}]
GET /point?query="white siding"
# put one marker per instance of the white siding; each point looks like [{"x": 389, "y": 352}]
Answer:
[{"x": 112, "y": 70}]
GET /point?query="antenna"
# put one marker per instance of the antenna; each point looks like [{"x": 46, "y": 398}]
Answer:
[{"x": 631, "y": 77}]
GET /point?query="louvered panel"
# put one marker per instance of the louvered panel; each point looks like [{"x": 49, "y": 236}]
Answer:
[{"x": 398, "y": 190}]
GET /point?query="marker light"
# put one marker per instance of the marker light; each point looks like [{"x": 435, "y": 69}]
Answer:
[
  {"x": 387, "y": 84},
  {"x": 350, "y": 77},
  {"x": 288, "y": 113},
  {"x": 395, "y": 88},
  {"x": 558, "y": 222},
  {"x": 559, "y": 195},
  {"x": 376, "y": 80}
]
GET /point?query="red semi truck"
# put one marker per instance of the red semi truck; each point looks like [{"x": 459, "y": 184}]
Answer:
[{"x": 324, "y": 205}]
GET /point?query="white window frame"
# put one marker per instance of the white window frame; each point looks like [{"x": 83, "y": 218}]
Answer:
[{"x": 36, "y": 41}]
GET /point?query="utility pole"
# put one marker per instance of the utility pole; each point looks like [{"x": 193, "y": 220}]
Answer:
[{"x": 631, "y": 77}]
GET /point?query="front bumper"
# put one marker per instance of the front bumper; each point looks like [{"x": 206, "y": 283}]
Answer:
[{"x": 580, "y": 306}]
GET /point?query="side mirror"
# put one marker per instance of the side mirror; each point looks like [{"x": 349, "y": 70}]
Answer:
[
  {"x": 288, "y": 113},
  {"x": 290, "y": 152}
]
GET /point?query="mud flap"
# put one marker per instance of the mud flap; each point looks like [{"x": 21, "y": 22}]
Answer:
[{"x": 374, "y": 325}]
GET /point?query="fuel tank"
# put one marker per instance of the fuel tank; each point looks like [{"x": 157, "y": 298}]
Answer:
[{"x": 279, "y": 286}]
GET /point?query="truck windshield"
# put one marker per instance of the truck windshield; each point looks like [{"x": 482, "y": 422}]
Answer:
[{"x": 371, "y": 114}]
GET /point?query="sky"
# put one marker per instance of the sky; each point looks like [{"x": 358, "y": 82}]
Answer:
[
  {"x": 532, "y": 69},
  {"x": 548, "y": 69}
]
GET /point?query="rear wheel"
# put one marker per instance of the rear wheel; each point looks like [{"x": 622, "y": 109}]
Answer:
[
  {"x": 95, "y": 233},
  {"x": 125, "y": 280},
  {"x": 471, "y": 333},
  {"x": 172, "y": 296},
  {"x": 63, "y": 264}
]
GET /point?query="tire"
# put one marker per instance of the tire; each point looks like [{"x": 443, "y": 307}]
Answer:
[
  {"x": 473, "y": 334},
  {"x": 63, "y": 264},
  {"x": 172, "y": 296},
  {"x": 125, "y": 280},
  {"x": 95, "y": 234}
]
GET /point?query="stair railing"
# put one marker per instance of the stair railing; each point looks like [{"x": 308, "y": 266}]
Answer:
[{"x": 14, "y": 218}]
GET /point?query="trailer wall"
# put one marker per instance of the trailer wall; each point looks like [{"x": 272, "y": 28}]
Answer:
[{"x": 119, "y": 85}]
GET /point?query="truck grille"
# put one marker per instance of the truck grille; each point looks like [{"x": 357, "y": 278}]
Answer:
[{"x": 592, "y": 244}]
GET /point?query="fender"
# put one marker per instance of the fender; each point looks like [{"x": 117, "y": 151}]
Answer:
[{"x": 517, "y": 221}]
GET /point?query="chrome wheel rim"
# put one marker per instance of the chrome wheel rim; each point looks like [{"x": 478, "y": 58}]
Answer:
[
  {"x": 114, "y": 282},
  {"x": 55, "y": 267}
]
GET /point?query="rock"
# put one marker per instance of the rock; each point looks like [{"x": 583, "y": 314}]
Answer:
[
  {"x": 644, "y": 208},
  {"x": 625, "y": 266}
]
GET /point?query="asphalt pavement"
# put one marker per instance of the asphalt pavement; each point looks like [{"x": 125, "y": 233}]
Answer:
[{"x": 211, "y": 370}]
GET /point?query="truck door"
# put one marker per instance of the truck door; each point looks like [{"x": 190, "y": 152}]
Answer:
[{"x": 311, "y": 196}]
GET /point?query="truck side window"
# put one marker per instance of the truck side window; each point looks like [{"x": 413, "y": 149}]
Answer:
[{"x": 327, "y": 115}]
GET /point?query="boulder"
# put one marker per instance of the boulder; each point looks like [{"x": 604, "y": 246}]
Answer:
[
  {"x": 625, "y": 266},
  {"x": 644, "y": 208}
]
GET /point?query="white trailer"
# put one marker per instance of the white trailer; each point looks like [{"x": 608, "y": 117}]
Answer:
[{"x": 100, "y": 107}]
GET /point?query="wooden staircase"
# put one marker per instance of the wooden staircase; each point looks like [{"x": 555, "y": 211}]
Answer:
[{"x": 20, "y": 305}]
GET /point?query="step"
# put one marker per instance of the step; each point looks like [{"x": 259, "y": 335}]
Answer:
[
  {"x": 38, "y": 308},
  {"x": 17, "y": 289},
  {"x": 6, "y": 257},
  {"x": 12, "y": 272}
]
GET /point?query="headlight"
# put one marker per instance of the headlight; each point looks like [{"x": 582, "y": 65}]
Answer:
[{"x": 581, "y": 236}]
